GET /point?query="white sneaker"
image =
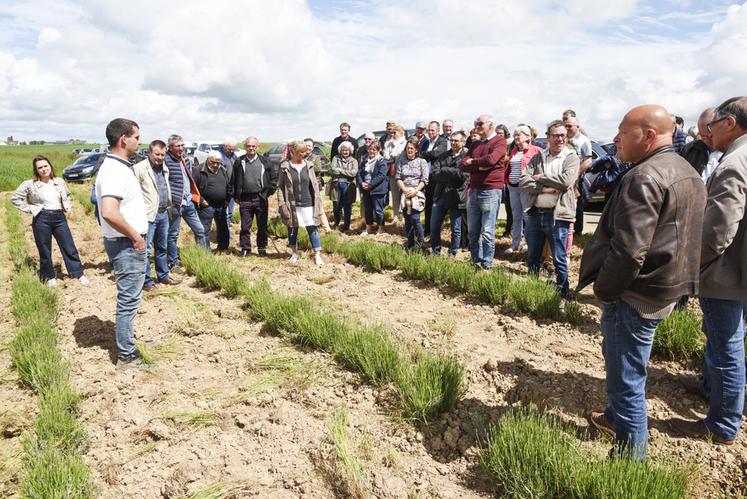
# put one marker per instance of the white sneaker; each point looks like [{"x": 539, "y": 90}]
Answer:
[
  {"x": 510, "y": 251},
  {"x": 84, "y": 280},
  {"x": 52, "y": 283},
  {"x": 363, "y": 234},
  {"x": 293, "y": 258},
  {"x": 378, "y": 232},
  {"x": 318, "y": 260}
]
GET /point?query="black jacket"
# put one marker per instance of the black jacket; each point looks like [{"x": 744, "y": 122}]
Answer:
[
  {"x": 448, "y": 180},
  {"x": 269, "y": 178},
  {"x": 335, "y": 150},
  {"x": 430, "y": 156},
  {"x": 696, "y": 153},
  {"x": 209, "y": 190}
]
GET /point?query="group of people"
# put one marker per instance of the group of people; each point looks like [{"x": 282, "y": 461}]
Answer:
[{"x": 672, "y": 227}]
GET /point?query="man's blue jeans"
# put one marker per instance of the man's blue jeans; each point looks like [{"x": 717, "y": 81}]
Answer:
[
  {"x": 542, "y": 226},
  {"x": 482, "y": 210},
  {"x": 626, "y": 346},
  {"x": 189, "y": 214},
  {"x": 128, "y": 265},
  {"x": 215, "y": 212},
  {"x": 229, "y": 214},
  {"x": 158, "y": 232},
  {"x": 438, "y": 213},
  {"x": 724, "y": 365}
]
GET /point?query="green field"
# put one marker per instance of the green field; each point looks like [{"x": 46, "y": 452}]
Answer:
[{"x": 15, "y": 161}]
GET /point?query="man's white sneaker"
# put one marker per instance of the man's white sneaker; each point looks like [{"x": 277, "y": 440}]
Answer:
[
  {"x": 318, "y": 260},
  {"x": 84, "y": 280},
  {"x": 52, "y": 283},
  {"x": 293, "y": 258},
  {"x": 510, "y": 251}
]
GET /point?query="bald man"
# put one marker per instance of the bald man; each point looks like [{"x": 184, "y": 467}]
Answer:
[{"x": 643, "y": 257}]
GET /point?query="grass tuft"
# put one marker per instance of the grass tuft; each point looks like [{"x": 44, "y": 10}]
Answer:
[
  {"x": 199, "y": 419},
  {"x": 532, "y": 454},
  {"x": 431, "y": 385},
  {"x": 679, "y": 337},
  {"x": 349, "y": 470}
]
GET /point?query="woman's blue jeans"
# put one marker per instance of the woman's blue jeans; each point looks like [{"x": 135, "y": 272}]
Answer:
[{"x": 341, "y": 205}]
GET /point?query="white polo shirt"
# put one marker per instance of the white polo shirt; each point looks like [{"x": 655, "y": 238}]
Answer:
[{"x": 116, "y": 179}]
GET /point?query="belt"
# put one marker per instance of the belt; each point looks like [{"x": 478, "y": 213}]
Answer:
[
  {"x": 144, "y": 236},
  {"x": 161, "y": 210},
  {"x": 540, "y": 210},
  {"x": 513, "y": 185}
]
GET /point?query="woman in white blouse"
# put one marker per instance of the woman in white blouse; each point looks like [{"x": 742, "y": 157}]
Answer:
[{"x": 46, "y": 197}]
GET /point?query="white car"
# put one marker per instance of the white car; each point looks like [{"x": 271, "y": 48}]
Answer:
[{"x": 199, "y": 151}]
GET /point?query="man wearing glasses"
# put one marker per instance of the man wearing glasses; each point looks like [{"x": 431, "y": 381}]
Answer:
[
  {"x": 723, "y": 280},
  {"x": 643, "y": 257},
  {"x": 484, "y": 163},
  {"x": 700, "y": 153},
  {"x": 548, "y": 179}
]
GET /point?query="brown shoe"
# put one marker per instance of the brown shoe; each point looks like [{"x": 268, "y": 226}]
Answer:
[
  {"x": 149, "y": 287},
  {"x": 697, "y": 429},
  {"x": 601, "y": 423},
  {"x": 169, "y": 282}
]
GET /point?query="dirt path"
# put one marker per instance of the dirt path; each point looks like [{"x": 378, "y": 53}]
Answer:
[{"x": 256, "y": 412}]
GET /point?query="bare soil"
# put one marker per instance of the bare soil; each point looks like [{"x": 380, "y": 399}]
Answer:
[{"x": 229, "y": 403}]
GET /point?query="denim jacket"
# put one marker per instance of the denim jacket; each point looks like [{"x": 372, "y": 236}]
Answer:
[{"x": 28, "y": 198}]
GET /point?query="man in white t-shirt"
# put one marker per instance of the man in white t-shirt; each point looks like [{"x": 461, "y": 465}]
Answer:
[
  {"x": 582, "y": 145},
  {"x": 124, "y": 223}
]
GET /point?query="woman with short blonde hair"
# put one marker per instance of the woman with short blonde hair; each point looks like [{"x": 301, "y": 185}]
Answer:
[{"x": 299, "y": 200}]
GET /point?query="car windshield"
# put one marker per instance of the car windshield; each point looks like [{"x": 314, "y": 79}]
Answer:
[{"x": 93, "y": 158}]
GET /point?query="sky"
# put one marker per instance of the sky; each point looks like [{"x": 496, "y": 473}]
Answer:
[{"x": 292, "y": 68}]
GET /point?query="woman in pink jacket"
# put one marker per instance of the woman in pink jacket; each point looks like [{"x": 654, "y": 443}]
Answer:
[{"x": 519, "y": 155}]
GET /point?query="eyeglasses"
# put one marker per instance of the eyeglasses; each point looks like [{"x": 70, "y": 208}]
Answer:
[
  {"x": 557, "y": 136},
  {"x": 479, "y": 123},
  {"x": 709, "y": 126}
]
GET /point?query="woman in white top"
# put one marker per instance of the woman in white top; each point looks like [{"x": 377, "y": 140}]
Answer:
[
  {"x": 393, "y": 148},
  {"x": 522, "y": 150},
  {"x": 46, "y": 197},
  {"x": 299, "y": 200}
]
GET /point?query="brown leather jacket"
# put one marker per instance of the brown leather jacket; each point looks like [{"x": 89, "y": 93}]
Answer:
[
  {"x": 649, "y": 235},
  {"x": 287, "y": 199}
]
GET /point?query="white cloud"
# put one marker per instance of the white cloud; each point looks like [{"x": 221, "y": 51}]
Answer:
[{"x": 277, "y": 70}]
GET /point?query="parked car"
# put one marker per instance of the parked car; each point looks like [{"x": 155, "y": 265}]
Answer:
[
  {"x": 275, "y": 154},
  {"x": 199, "y": 152},
  {"x": 84, "y": 168}
]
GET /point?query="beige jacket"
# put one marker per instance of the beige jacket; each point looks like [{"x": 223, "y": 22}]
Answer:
[
  {"x": 565, "y": 209},
  {"x": 146, "y": 177},
  {"x": 28, "y": 199},
  {"x": 723, "y": 254},
  {"x": 287, "y": 199}
]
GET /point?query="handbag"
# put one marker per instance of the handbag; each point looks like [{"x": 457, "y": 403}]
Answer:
[{"x": 351, "y": 193}]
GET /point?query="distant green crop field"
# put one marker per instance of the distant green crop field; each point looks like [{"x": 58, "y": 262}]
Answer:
[{"x": 15, "y": 161}]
